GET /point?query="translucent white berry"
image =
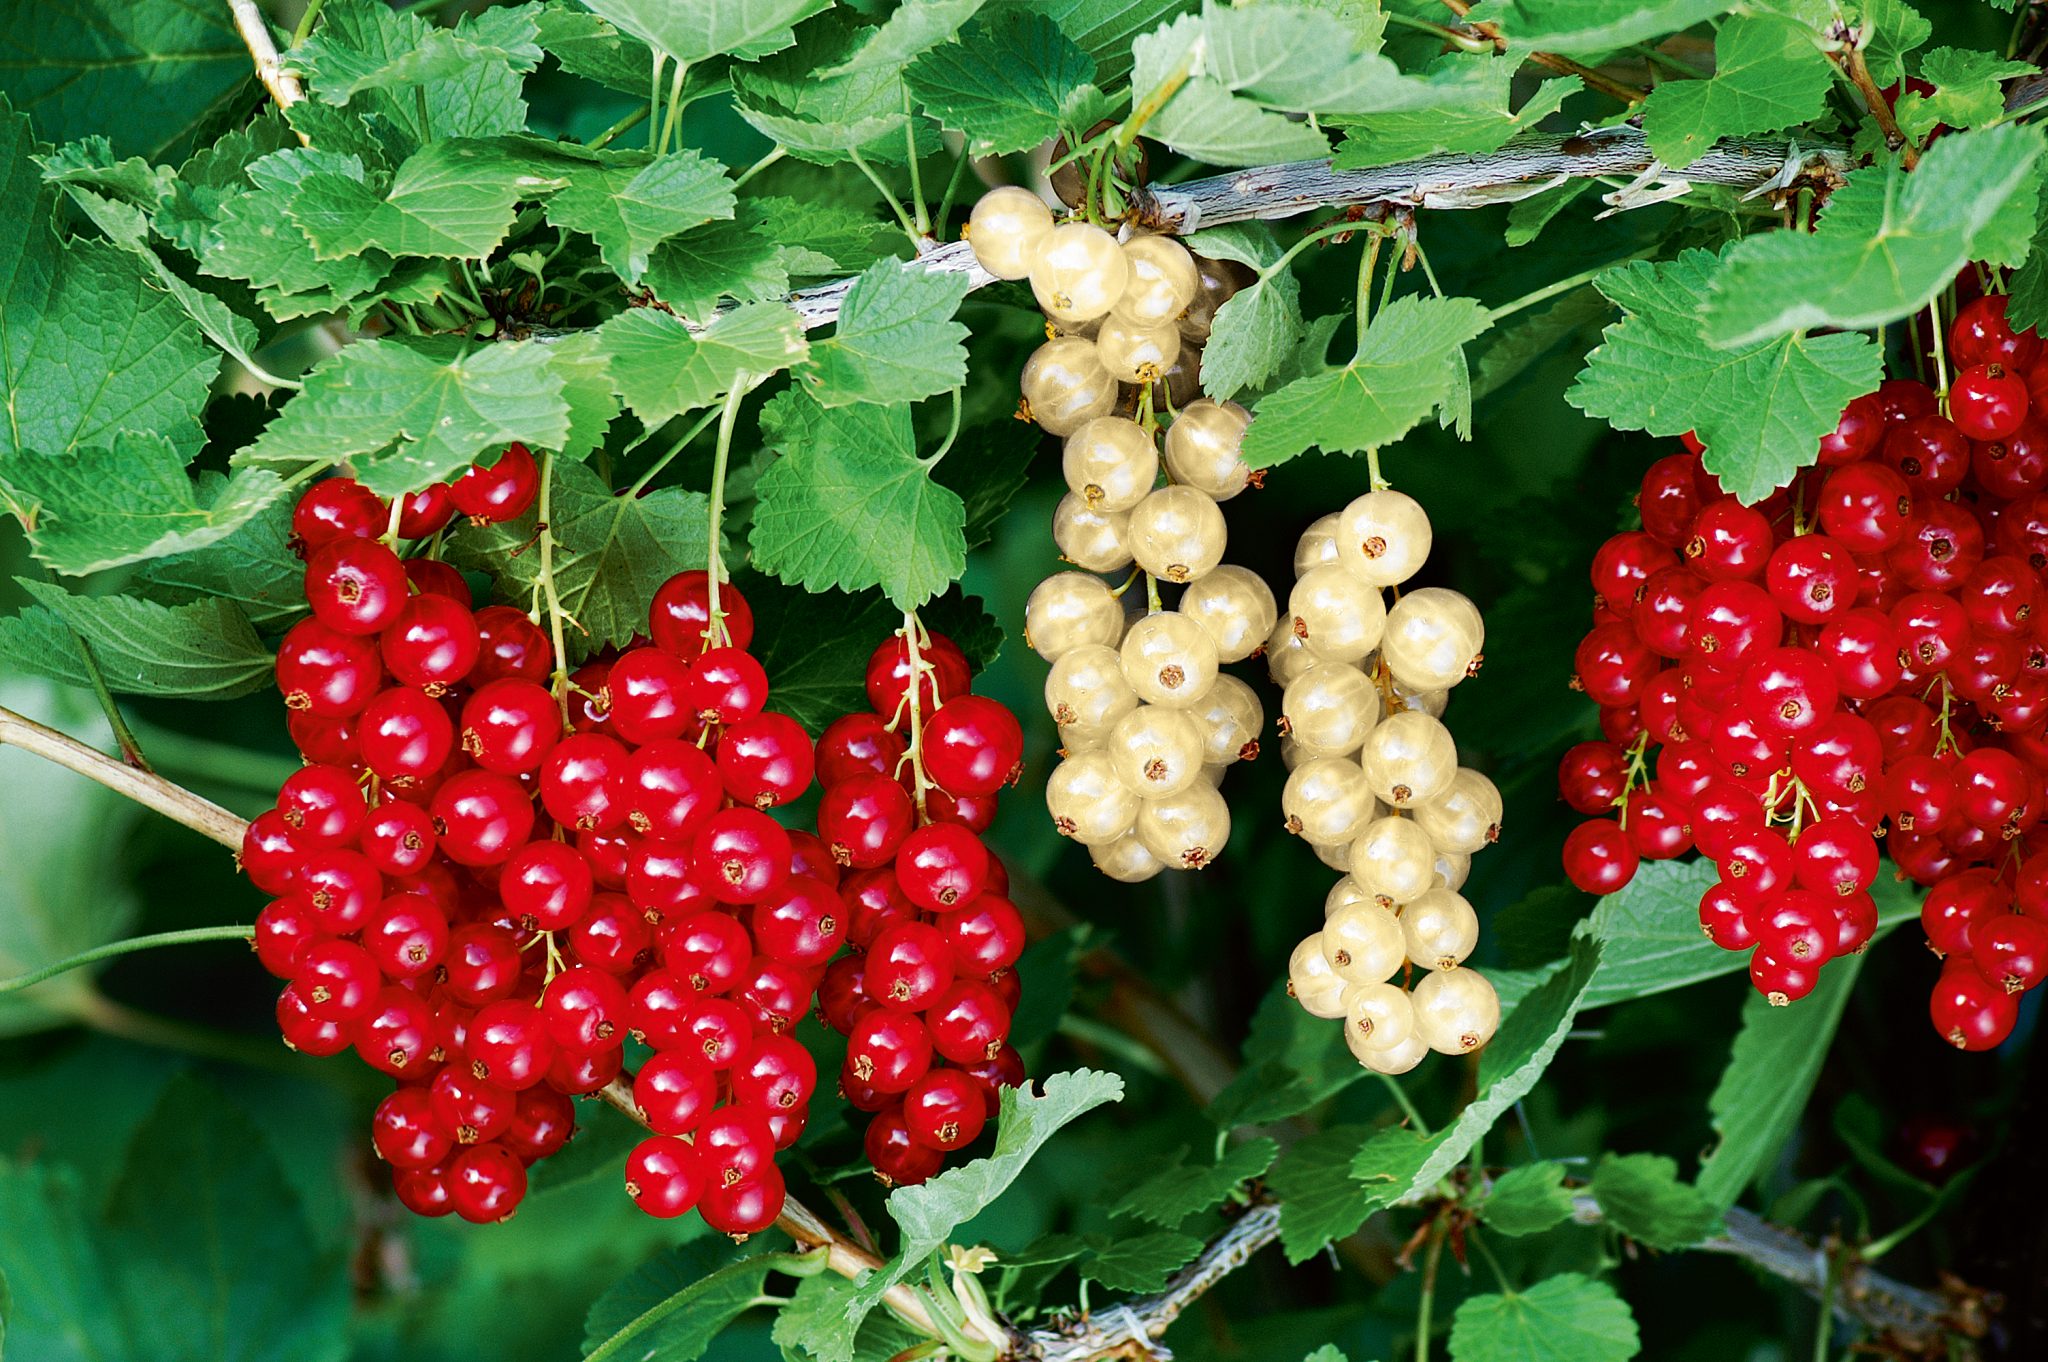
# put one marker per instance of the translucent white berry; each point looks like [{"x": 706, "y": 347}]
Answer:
[
  {"x": 1392, "y": 861},
  {"x": 1177, "y": 534},
  {"x": 1169, "y": 660},
  {"x": 1202, "y": 448},
  {"x": 1336, "y": 855},
  {"x": 1432, "y": 639},
  {"x": 1006, "y": 229},
  {"x": 1363, "y": 943},
  {"x": 1327, "y": 801},
  {"x": 1340, "y": 616},
  {"x": 1317, "y": 546},
  {"x": 1235, "y": 606},
  {"x": 1186, "y": 830},
  {"x": 1288, "y": 655},
  {"x": 1070, "y": 610},
  {"x": 1219, "y": 282},
  {"x": 1231, "y": 718},
  {"x": 1343, "y": 893},
  {"x": 1078, "y": 272},
  {"x": 1456, "y": 1011},
  {"x": 1156, "y": 752},
  {"x": 1111, "y": 463},
  {"x": 1377, "y": 1016},
  {"x": 1314, "y": 984},
  {"x": 1452, "y": 869},
  {"x": 1330, "y": 708},
  {"x": 1394, "y": 1059},
  {"x": 1098, "y": 541},
  {"x": 1087, "y": 802},
  {"x": 1086, "y": 686},
  {"x": 1464, "y": 818},
  {"x": 1134, "y": 353},
  {"x": 1125, "y": 860},
  {"x": 1383, "y": 537},
  {"x": 1440, "y": 928},
  {"x": 1410, "y": 759},
  {"x": 1065, "y": 384},
  {"x": 1162, "y": 281},
  {"x": 1077, "y": 738}
]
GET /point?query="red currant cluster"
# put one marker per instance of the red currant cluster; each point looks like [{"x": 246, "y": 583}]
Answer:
[
  {"x": 926, "y": 994},
  {"x": 1861, "y": 648},
  {"x": 492, "y": 873}
]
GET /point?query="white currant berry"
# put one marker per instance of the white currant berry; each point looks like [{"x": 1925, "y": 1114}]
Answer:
[
  {"x": 1163, "y": 281},
  {"x": 1383, "y": 537},
  {"x": 1377, "y": 1017},
  {"x": 1317, "y": 546},
  {"x": 1125, "y": 860},
  {"x": 1006, "y": 230},
  {"x": 1078, "y": 738},
  {"x": 1330, "y": 709},
  {"x": 1213, "y": 772},
  {"x": 1099, "y": 541},
  {"x": 1452, "y": 869},
  {"x": 1336, "y": 855},
  {"x": 1177, "y": 534},
  {"x": 1340, "y": 616},
  {"x": 1065, "y": 385},
  {"x": 1218, "y": 281},
  {"x": 1235, "y": 606},
  {"x": 1392, "y": 861},
  {"x": 1343, "y": 893},
  {"x": 1087, "y": 802},
  {"x": 1183, "y": 381},
  {"x": 1430, "y": 702},
  {"x": 1110, "y": 463},
  {"x": 1202, "y": 448},
  {"x": 1156, "y": 752},
  {"x": 1432, "y": 639},
  {"x": 1327, "y": 802},
  {"x": 1187, "y": 830},
  {"x": 1078, "y": 272},
  {"x": 1363, "y": 943},
  {"x": 1314, "y": 984},
  {"x": 1410, "y": 759},
  {"x": 1288, "y": 656},
  {"x": 1169, "y": 660},
  {"x": 1466, "y": 817},
  {"x": 1394, "y": 1059},
  {"x": 1070, "y": 610},
  {"x": 1087, "y": 687},
  {"x": 1456, "y": 1011},
  {"x": 1440, "y": 928},
  {"x": 1136, "y": 354},
  {"x": 1231, "y": 719}
]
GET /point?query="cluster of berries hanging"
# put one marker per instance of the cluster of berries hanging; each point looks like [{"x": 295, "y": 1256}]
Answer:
[
  {"x": 1148, "y": 721},
  {"x": 1375, "y": 787},
  {"x": 1864, "y": 648},
  {"x": 926, "y": 995},
  {"x": 490, "y": 875}
]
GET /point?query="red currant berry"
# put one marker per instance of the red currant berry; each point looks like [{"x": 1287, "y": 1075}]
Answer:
[
  {"x": 973, "y": 746},
  {"x": 406, "y": 1134},
  {"x": 500, "y": 492},
  {"x": 765, "y": 761},
  {"x": 899, "y": 1160},
  {"x": 969, "y": 1022},
  {"x": 675, "y": 1091},
  {"x": 865, "y": 819},
  {"x": 1969, "y": 1011},
  {"x": 546, "y": 886},
  {"x": 985, "y": 936},
  {"x": 356, "y": 586},
  {"x": 481, "y": 817},
  {"x": 776, "y": 1074},
  {"x": 647, "y": 687},
  {"x": 665, "y": 1177},
  {"x": 945, "y": 674},
  {"x": 585, "y": 1010},
  {"x": 944, "y": 1110},
  {"x": 726, "y": 685},
  {"x": 888, "y": 1051},
  {"x": 486, "y": 1184},
  {"x": 482, "y": 964},
  {"x": 670, "y": 789},
  {"x": 511, "y": 647},
  {"x": 426, "y": 512},
  {"x": 682, "y": 612},
  {"x": 405, "y": 737},
  {"x": 742, "y": 855},
  {"x": 334, "y": 509},
  {"x": 857, "y": 744},
  {"x": 325, "y": 672},
  {"x": 1598, "y": 857},
  {"x": 743, "y": 1208},
  {"x": 407, "y": 935},
  {"x": 801, "y": 923},
  {"x": 509, "y": 1045}
]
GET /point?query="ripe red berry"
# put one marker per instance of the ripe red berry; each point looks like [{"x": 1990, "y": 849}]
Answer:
[
  {"x": 1598, "y": 857},
  {"x": 742, "y": 855},
  {"x": 1988, "y": 401},
  {"x": 776, "y": 1074},
  {"x": 334, "y": 509},
  {"x": 675, "y": 1091},
  {"x": 680, "y": 614},
  {"x": 1969, "y": 1011},
  {"x": 356, "y": 586},
  {"x": 865, "y": 819},
  {"x": 546, "y": 886},
  {"x": 944, "y": 670},
  {"x": 325, "y": 672},
  {"x": 726, "y": 685},
  {"x": 510, "y": 646},
  {"x": 665, "y": 1176},
  {"x": 972, "y": 746},
  {"x": 857, "y": 744},
  {"x": 969, "y": 1022},
  {"x": 888, "y": 1051},
  {"x": 942, "y": 866},
  {"x": 803, "y": 922},
  {"x": 899, "y": 1160},
  {"x": 944, "y": 1110},
  {"x": 500, "y": 492},
  {"x": 486, "y": 1183},
  {"x": 765, "y": 761},
  {"x": 669, "y": 789},
  {"x": 481, "y": 817},
  {"x": 585, "y": 1010},
  {"x": 405, "y": 1132},
  {"x": 406, "y": 935},
  {"x": 743, "y": 1208}
]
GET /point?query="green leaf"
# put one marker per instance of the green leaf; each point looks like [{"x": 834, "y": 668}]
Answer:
[
  {"x": 821, "y": 237},
  {"x": 148, "y": 72},
  {"x": 1894, "y": 29},
  {"x": 1768, "y": 74},
  {"x": 1464, "y": 107},
  {"x": 1320, "y": 1200},
  {"x": 2027, "y": 289},
  {"x": 677, "y": 1302},
  {"x": 1292, "y": 1062},
  {"x": 253, "y": 237},
  {"x": 661, "y": 369},
  {"x": 848, "y": 504},
  {"x": 912, "y": 28},
  {"x": 100, "y": 508},
  {"x": 337, "y": 68},
  {"x": 896, "y": 340},
  {"x": 1140, "y": 1262},
  {"x": 1575, "y": 26},
  {"x": 1641, "y": 1195},
  {"x": 1760, "y": 407},
  {"x": 689, "y": 31},
  {"x": 928, "y": 1214},
  {"x": 56, "y": 1273},
  {"x": 611, "y": 551},
  {"x": 1566, "y": 1318},
  {"x": 1887, "y": 242},
  {"x": 1301, "y": 59},
  {"x": 1006, "y": 83},
  {"x": 251, "y": 567},
  {"x": 814, "y": 1324},
  {"x": 691, "y": 272},
  {"x": 1205, "y": 122},
  {"x": 450, "y": 199},
  {"x": 629, "y": 205},
  {"x": 369, "y": 56},
  {"x": 1527, "y": 1200},
  {"x": 406, "y": 415},
  {"x": 988, "y": 467},
  {"x": 1252, "y": 336},
  {"x": 1771, "y": 1072},
  {"x": 826, "y": 119},
  {"x": 208, "y": 1244},
  {"x": 1967, "y": 90},
  {"x": 1169, "y": 1197},
  {"x": 1104, "y": 29},
  {"x": 590, "y": 46},
  {"x": 1399, "y": 375},
  {"x": 206, "y": 649}
]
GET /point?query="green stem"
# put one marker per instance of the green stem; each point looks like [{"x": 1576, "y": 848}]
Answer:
[
  {"x": 952, "y": 434},
  {"x": 131, "y": 750},
  {"x": 1464, "y": 42},
  {"x": 2033, "y": 106},
  {"x": 129, "y": 946},
  {"x": 923, "y": 223},
  {"x": 545, "y": 532},
  {"x": 654, "y": 102},
  {"x": 714, "y": 626},
  {"x": 1501, "y": 1278},
  {"x": 888, "y": 196},
  {"x": 307, "y": 20},
  {"x": 654, "y": 469},
  {"x": 1823, "y": 1332},
  {"x": 1425, "y": 1305},
  {"x": 757, "y": 167},
  {"x": 1401, "y": 1098},
  {"x": 1320, "y": 234},
  {"x": 1669, "y": 62},
  {"x": 626, "y": 124},
  {"x": 1366, "y": 264},
  {"x": 673, "y": 119},
  {"x": 1549, "y": 291},
  {"x": 952, "y": 189}
]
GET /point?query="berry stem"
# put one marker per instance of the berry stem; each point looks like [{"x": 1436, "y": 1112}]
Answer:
[
  {"x": 124, "y": 738},
  {"x": 715, "y": 632},
  {"x": 144, "y": 787},
  {"x": 129, "y": 946},
  {"x": 1407, "y": 1105},
  {"x": 546, "y": 535},
  {"x": 914, "y": 751},
  {"x": 1425, "y": 1304},
  {"x": 1858, "y": 70}
]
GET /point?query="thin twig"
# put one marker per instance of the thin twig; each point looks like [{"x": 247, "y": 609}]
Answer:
[
  {"x": 172, "y": 800},
  {"x": 1858, "y": 70},
  {"x": 284, "y": 87},
  {"x": 1627, "y": 94}
]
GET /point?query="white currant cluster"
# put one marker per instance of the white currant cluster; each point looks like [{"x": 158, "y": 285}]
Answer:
[
  {"x": 1148, "y": 721},
  {"x": 1374, "y": 785}
]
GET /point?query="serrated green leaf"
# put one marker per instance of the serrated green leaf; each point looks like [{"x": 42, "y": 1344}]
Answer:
[
  {"x": 661, "y": 369},
  {"x": 827, "y": 119},
  {"x": 363, "y": 36},
  {"x": 450, "y": 199},
  {"x": 1252, "y": 336},
  {"x": 691, "y": 272},
  {"x": 2027, "y": 289},
  {"x": 1887, "y": 242},
  {"x": 928, "y": 1214},
  {"x": 848, "y": 504},
  {"x": 814, "y": 237},
  {"x": 148, "y": 72},
  {"x": 611, "y": 551},
  {"x": 1760, "y": 407},
  {"x": 1140, "y": 1262},
  {"x": 1320, "y": 1200},
  {"x": 912, "y": 28},
  {"x": 677, "y": 1302},
  {"x": 1528, "y": 217},
  {"x": 1892, "y": 29},
  {"x": 213, "y": 174},
  {"x": 629, "y": 205},
  {"x": 1104, "y": 29},
  {"x": 336, "y": 69},
  {"x": 1167, "y": 1198},
  {"x": 103, "y": 507},
  {"x": 1772, "y": 1067},
  {"x": 1641, "y": 1195},
  {"x": 407, "y": 415},
  {"x": 250, "y": 568},
  {"x": 896, "y": 340},
  {"x": 1527, "y": 1200},
  {"x": 1567, "y": 325},
  {"x": 1574, "y": 26},
  {"x": 203, "y": 650},
  {"x": 1966, "y": 90},
  {"x": 1005, "y": 83},
  {"x": 1768, "y": 74},
  {"x": 988, "y": 467},
  {"x": 56, "y": 1272},
  {"x": 1398, "y": 376},
  {"x": 1464, "y": 106},
  {"x": 1292, "y": 1062},
  {"x": 252, "y": 237},
  {"x": 1299, "y": 59},
  {"x": 813, "y": 1324},
  {"x": 1206, "y": 122},
  {"x": 689, "y": 31},
  {"x": 591, "y": 46},
  {"x": 1566, "y": 1318}
]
